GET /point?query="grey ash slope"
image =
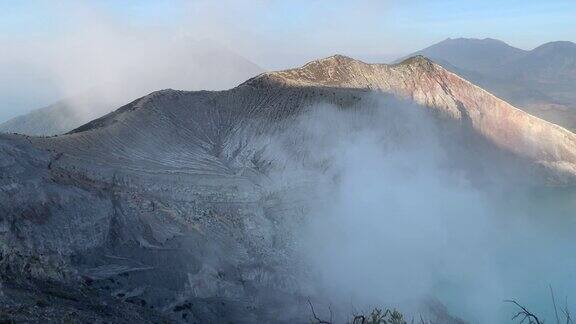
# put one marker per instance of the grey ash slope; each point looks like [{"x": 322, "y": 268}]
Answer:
[
  {"x": 166, "y": 202},
  {"x": 540, "y": 81}
]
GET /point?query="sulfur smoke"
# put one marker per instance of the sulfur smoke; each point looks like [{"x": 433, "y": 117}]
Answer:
[{"x": 397, "y": 215}]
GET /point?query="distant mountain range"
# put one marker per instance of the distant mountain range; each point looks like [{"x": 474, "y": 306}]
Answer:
[
  {"x": 541, "y": 81},
  {"x": 201, "y": 65}
]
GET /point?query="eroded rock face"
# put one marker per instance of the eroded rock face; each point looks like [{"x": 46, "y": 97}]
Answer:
[{"x": 167, "y": 203}]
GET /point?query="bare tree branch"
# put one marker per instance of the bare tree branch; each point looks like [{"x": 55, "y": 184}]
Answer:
[
  {"x": 524, "y": 314},
  {"x": 318, "y": 320},
  {"x": 554, "y": 303},
  {"x": 566, "y": 312},
  {"x": 359, "y": 319}
]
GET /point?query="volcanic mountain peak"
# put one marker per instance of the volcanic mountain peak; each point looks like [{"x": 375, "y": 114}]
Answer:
[
  {"x": 334, "y": 59},
  {"x": 418, "y": 61},
  {"x": 331, "y": 70},
  {"x": 346, "y": 72},
  {"x": 428, "y": 84}
]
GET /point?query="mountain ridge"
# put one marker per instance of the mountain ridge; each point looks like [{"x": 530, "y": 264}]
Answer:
[{"x": 428, "y": 84}]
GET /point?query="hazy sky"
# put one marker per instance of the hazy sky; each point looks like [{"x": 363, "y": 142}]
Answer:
[{"x": 273, "y": 34}]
